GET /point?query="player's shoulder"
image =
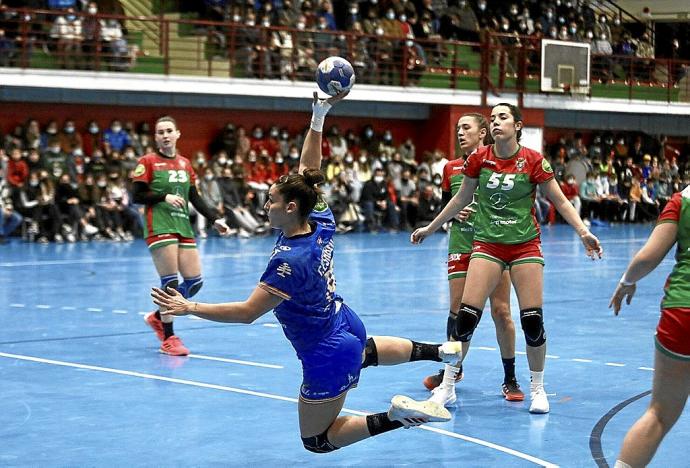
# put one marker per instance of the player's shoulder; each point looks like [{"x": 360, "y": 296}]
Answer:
[
  {"x": 530, "y": 154},
  {"x": 454, "y": 164}
]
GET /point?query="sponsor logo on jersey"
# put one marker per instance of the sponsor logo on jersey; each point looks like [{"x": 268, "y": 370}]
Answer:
[
  {"x": 454, "y": 257},
  {"x": 139, "y": 170},
  {"x": 520, "y": 163},
  {"x": 546, "y": 166},
  {"x": 488, "y": 162},
  {"x": 284, "y": 270},
  {"x": 321, "y": 205},
  {"x": 160, "y": 164},
  {"x": 499, "y": 200}
]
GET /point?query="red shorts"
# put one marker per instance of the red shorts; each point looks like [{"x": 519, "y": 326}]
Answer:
[
  {"x": 509, "y": 255},
  {"x": 157, "y": 241},
  {"x": 673, "y": 333},
  {"x": 457, "y": 265}
]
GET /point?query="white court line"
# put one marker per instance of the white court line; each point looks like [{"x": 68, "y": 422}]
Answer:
[
  {"x": 581, "y": 360},
  {"x": 94, "y": 309},
  {"x": 68, "y": 308},
  {"x": 235, "y": 361},
  {"x": 43, "y": 306},
  {"x": 119, "y": 311},
  {"x": 646, "y": 368},
  {"x": 17, "y": 305},
  {"x": 271, "y": 396},
  {"x": 485, "y": 348},
  {"x": 270, "y": 325},
  {"x": 551, "y": 356},
  {"x": 615, "y": 364}
]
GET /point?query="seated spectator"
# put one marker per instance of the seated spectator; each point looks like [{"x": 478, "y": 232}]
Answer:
[
  {"x": 428, "y": 207},
  {"x": 649, "y": 208},
  {"x": 634, "y": 199},
  {"x": 38, "y": 203},
  {"x": 237, "y": 197},
  {"x": 92, "y": 28},
  {"x": 115, "y": 46},
  {"x": 377, "y": 207},
  {"x": 572, "y": 192},
  {"x": 16, "y": 174},
  {"x": 210, "y": 192},
  {"x": 589, "y": 195},
  {"x": 115, "y": 138},
  {"x": 10, "y": 219},
  {"x": 7, "y": 50},
  {"x": 544, "y": 210},
  {"x": 66, "y": 32},
  {"x": 70, "y": 138},
  {"x": 408, "y": 200},
  {"x": 69, "y": 205}
]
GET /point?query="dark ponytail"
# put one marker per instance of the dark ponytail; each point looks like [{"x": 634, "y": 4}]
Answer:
[{"x": 302, "y": 188}]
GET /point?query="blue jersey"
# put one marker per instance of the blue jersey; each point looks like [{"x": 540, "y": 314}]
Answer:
[{"x": 301, "y": 272}]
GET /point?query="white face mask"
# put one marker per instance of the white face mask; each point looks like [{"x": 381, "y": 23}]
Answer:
[
  {"x": 222, "y": 161},
  {"x": 378, "y": 179},
  {"x": 93, "y": 10},
  {"x": 362, "y": 160},
  {"x": 301, "y": 26},
  {"x": 294, "y": 155}
]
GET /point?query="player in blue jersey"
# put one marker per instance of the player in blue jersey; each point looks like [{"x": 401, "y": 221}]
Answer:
[{"x": 329, "y": 338}]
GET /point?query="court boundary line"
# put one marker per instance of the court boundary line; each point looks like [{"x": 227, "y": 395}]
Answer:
[
  {"x": 595, "y": 447},
  {"x": 271, "y": 396}
]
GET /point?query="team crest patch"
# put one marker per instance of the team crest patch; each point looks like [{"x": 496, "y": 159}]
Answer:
[
  {"x": 139, "y": 170},
  {"x": 520, "y": 163},
  {"x": 284, "y": 270},
  {"x": 546, "y": 166},
  {"x": 321, "y": 205}
]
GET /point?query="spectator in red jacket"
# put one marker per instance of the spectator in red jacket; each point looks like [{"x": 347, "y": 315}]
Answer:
[
  {"x": 572, "y": 191},
  {"x": 17, "y": 170}
]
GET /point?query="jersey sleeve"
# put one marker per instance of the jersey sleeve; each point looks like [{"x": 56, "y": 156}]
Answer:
[
  {"x": 191, "y": 172},
  {"x": 282, "y": 276},
  {"x": 445, "y": 183},
  {"x": 541, "y": 170},
  {"x": 143, "y": 172},
  {"x": 322, "y": 214},
  {"x": 473, "y": 164},
  {"x": 671, "y": 212}
]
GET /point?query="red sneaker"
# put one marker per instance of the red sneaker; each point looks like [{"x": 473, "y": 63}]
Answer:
[
  {"x": 173, "y": 346},
  {"x": 433, "y": 381},
  {"x": 155, "y": 323},
  {"x": 511, "y": 391}
]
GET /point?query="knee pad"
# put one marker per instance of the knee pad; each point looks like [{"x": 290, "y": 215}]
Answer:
[
  {"x": 169, "y": 281},
  {"x": 191, "y": 286},
  {"x": 371, "y": 355},
  {"x": 450, "y": 326},
  {"x": 319, "y": 443},
  {"x": 532, "y": 321},
  {"x": 467, "y": 321}
]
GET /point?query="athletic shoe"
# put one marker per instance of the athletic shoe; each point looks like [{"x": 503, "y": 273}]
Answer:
[
  {"x": 511, "y": 390},
  {"x": 540, "y": 403},
  {"x": 413, "y": 413},
  {"x": 444, "y": 395},
  {"x": 90, "y": 229},
  {"x": 173, "y": 346},
  {"x": 433, "y": 381},
  {"x": 450, "y": 351},
  {"x": 155, "y": 323}
]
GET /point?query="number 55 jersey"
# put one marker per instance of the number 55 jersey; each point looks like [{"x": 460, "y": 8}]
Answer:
[
  {"x": 505, "y": 194},
  {"x": 166, "y": 176}
]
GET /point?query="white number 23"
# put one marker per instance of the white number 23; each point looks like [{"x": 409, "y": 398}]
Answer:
[{"x": 177, "y": 176}]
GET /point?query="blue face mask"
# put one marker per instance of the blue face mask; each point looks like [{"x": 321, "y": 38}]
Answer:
[{"x": 71, "y": 17}]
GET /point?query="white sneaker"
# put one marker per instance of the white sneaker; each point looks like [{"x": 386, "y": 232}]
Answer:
[
  {"x": 413, "y": 413},
  {"x": 58, "y": 239},
  {"x": 450, "y": 351},
  {"x": 90, "y": 229},
  {"x": 444, "y": 395},
  {"x": 540, "y": 402}
]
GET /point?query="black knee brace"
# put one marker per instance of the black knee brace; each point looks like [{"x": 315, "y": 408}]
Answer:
[
  {"x": 467, "y": 321},
  {"x": 532, "y": 321},
  {"x": 371, "y": 356},
  {"x": 450, "y": 326},
  {"x": 319, "y": 443}
]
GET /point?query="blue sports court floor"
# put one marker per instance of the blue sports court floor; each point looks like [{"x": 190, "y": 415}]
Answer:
[{"x": 82, "y": 383}]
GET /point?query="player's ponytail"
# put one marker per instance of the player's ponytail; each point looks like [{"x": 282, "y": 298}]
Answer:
[{"x": 302, "y": 188}]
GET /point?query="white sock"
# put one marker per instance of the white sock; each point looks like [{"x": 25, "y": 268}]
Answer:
[
  {"x": 537, "y": 379},
  {"x": 449, "y": 375},
  {"x": 621, "y": 464}
]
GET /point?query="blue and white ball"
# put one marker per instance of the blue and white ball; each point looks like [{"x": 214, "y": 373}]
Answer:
[{"x": 334, "y": 75}]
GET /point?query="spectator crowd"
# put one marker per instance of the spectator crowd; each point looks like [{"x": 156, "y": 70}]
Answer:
[{"x": 63, "y": 183}]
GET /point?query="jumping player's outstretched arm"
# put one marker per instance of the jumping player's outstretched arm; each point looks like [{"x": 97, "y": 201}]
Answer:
[
  {"x": 257, "y": 304},
  {"x": 554, "y": 193},
  {"x": 311, "y": 150},
  {"x": 459, "y": 201},
  {"x": 660, "y": 241}
]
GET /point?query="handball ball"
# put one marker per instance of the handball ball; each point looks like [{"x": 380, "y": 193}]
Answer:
[{"x": 334, "y": 75}]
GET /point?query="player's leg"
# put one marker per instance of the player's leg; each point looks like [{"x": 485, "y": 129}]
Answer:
[
  {"x": 528, "y": 280},
  {"x": 391, "y": 350},
  {"x": 505, "y": 335},
  {"x": 669, "y": 394}
]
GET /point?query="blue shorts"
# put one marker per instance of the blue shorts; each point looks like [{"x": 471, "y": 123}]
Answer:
[{"x": 332, "y": 367}]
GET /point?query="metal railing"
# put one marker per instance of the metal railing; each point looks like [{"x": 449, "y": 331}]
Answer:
[{"x": 498, "y": 64}]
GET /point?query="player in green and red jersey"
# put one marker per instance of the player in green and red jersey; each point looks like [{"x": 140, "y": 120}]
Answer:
[
  {"x": 506, "y": 235},
  {"x": 472, "y": 133},
  {"x": 165, "y": 183},
  {"x": 672, "y": 354}
]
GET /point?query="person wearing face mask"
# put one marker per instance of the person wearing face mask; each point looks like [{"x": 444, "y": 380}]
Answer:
[
  {"x": 547, "y": 19},
  {"x": 572, "y": 192},
  {"x": 69, "y": 205},
  {"x": 115, "y": 138},
  {"x": 67, "y": 32},
  {"x": 31, "y": 206},
  {"x": 70, "y": 138},
  {"x": 91, "y": 28},
  {"x": 337, "y": 144},
  {"x": 210, "y": 192},
  {"x": 377, "y": 206},
  {"x": 363, "y": 167}
]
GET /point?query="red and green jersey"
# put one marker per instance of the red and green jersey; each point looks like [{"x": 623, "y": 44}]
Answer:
[
  {"x": 505, "y": 194},
  {"x": 677, "y": 210},
  {"x": 461, "y": 234},
  {"x": 170, "y": 176}
]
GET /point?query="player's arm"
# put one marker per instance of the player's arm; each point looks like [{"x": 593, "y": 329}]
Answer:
[
  {"x": 257, "y": 304},
  {"x": 459, "y": 201},
  {"x": 311, "y": 149},
  {"x": 661, "y": 240}
]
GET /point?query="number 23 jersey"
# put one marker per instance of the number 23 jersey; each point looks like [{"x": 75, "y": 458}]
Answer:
[
  {"x": 505, "y": 194},
  {"x": 170, "y": 176}
]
